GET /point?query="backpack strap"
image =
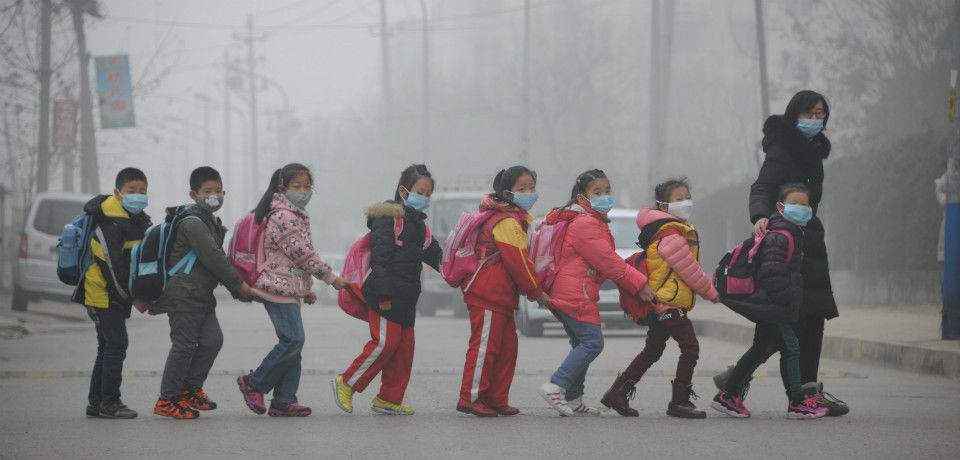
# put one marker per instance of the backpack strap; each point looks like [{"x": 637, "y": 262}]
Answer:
[
  {"x": 428, "y": 238},
  {"x": 187, "y": 260},
  {"x": 757, "y": 241},
  {"x": 397, "y": 230}
]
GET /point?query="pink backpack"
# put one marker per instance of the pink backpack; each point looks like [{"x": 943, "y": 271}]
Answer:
[
  {"x": 356, "y": 269},
  {"x": 245, "y": 251},
  {"x": 545, "y": 246},
  {"x": 460, "y": 256}
]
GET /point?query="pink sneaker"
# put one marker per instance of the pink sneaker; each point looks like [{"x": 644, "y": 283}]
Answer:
[
  {"x": 280, "y": 409},
  {"x": 253, "y": 398},
  {"x": 806, "y": 409}
]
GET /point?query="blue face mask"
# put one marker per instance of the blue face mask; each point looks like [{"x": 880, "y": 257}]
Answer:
[
  {"x": 134, "y": 203},
  {"x": 809, "y": 126},
  {"x": 525, "y": 200},
  {"x": 602, "y": 204},
  {"x": 417, "y": 201},
  {"x": 797, "y": 213}
]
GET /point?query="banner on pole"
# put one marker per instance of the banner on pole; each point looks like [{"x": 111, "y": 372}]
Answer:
[
  {"x": 64, "y": 125},
  {"x": 115, "y": 91}
]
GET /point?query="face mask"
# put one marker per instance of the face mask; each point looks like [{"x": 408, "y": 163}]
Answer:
[
  {"x": 809, "y": 127},
  {"x": 210, "y": 203},
  {"x": 525, "y": 200},
  {"x": 602, "y": 204},
  {"x": 299, "y": 199},
  {"x": 682, "y": 209},
  {"x": 134, "y": 203},
  {"x": 417, "y": 201},
  {"x": 797, "y": 213}
]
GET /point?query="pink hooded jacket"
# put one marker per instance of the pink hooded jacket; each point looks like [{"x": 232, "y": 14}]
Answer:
[
  {"x": 289, "y": 259},
  {"x": 587, "y": 259}
]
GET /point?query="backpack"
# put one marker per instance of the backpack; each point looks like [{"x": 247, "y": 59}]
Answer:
[
  {"x": 73, "y": 254},
  {"x": 148, "y": 260},
  {"x": 356, "y": 269},
  {"x": 642, "y": 313},
  {"x": 736, "y": 274},
  {"x": 245, "y": 251},
  {"x": 545, "y": 245},
  {"x": 460, "y": 257}
]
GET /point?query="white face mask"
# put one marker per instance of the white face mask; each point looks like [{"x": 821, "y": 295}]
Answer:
[{"x": 682, "y": 209}]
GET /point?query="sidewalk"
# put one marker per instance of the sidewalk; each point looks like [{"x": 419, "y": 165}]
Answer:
[{"x": 904, "y": 338}]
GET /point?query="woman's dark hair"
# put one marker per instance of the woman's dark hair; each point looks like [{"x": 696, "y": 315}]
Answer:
[
  {"x": 410, "y": 176},
  {"x": 661, "y": 193},
  {"x": 582, "y": 183},
  {"x": 804, "y": 102},
  {"x": 507, "y": 178},
  {"x": 787, "y": 189},
  {"x": 282, "y": 176}
]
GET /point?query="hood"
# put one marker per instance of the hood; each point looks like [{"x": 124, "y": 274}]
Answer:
[
  {"x": 280, "y": 202},
  {"x": 647, "y": 216},
  {"x": 385, "y": 209},
  {"x": 569, "y": 213},
  {"x": 186, "y": 209},
  {"x": 492, "y": 203},
  {"x": 105, "y": 206},
  {"x": 778, "y": 222},
  {"x": 778, "y": 131}
]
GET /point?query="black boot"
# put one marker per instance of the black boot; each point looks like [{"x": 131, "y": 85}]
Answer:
[
  {"x": 619, "y": 395},
  {"x": 681, "y": 406}
]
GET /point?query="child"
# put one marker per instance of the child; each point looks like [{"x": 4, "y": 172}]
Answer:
[
  {"x": 493, "y": 294},
  {"x": 775, "y": 306},
  {"x": 188, "y": 299},
  {"x": 391, "y": 291},
  {"x": 672, "y": 253},
  {"x": 120, "y": 223},
  {"x": 289, "y": 260},
  {"x": 587, "y": 258}
]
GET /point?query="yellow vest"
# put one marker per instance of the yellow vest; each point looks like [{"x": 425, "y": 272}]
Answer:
[{"x": 670, "y": 289}]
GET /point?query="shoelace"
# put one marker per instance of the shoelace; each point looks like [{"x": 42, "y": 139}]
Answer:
[
  {"x": 693, "y": 394},
  {"x": 831, "y": 399},
  {"x": 631, "y": 393}
]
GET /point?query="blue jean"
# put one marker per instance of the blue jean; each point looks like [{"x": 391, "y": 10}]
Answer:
[
  {"x": 280, "y": 370},
  {"x": 112, "y": 342},
  {"x": 587, "y": 342}
]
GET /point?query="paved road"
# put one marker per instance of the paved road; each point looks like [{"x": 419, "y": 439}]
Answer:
[{"x": 895, "y": 415}]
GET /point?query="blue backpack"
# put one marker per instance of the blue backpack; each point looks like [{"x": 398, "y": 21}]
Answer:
[
  {"x": 73, "y": 254},
  {"x": 148, "y": 260}
]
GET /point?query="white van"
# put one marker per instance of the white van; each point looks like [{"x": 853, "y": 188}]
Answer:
[{"x": 35, "y": 275}]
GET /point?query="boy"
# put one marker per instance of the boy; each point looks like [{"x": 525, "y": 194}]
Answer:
[
  {"x": 118, "y": 222},
  {"x": 188, "y": 299}
]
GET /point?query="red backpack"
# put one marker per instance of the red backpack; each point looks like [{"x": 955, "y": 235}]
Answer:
[{"x": 641, "y": 312}]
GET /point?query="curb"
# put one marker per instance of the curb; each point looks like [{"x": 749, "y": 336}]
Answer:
[{"x": 901, "y": 356}]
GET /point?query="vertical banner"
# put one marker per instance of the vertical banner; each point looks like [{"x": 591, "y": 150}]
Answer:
[
  {"x": 115, "y": 91},
  {"x": 64, "y": 125}
]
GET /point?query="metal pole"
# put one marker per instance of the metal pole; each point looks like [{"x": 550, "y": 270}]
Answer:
[
  {"x": 384, "y": 59},
  {"x": 426, "y": 84},
  {"x": 252, "y": 83},
  {"x": 762, "y": 54},
  {"x": 525, "y": 92},
  {"x": 43, "y": 142},
  {"x": 653, "y": 147},
  {"x": 89, "y": 170},
  {"x": 227, "y": 163},
  {"x": 950, "y": 320}
]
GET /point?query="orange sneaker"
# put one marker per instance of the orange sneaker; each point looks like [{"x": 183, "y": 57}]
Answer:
[
  {"x": 175, "y": 407},
  {"x": 197, "y": 399}
]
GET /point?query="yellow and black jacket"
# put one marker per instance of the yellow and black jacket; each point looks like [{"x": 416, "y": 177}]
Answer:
[{"x": 115, "y": 231}]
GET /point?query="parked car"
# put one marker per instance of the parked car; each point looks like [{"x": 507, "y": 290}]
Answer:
[
  {"x": 35, "y": 275},
  {"x": 623, "y": 224}
]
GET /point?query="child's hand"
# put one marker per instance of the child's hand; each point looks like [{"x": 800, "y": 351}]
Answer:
[
  {"x": 310, "y": 298},
  {"x": 544, "y": 301},
  {"x": 141, "y": 305},
  {"x": 760, "y": 228},
  {"x": 246, "y": 293},
  {"x": 646, "y": 294},
  {"x": 339, "y": 283}
]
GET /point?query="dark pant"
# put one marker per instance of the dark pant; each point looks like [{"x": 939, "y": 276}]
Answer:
[
  {"x": 809, "y": 330},
  {"x": 767, "y": 340},
  {"x": 672, "y": 323},
  {"x": 195, "y": 339},
  {"x": 111, "y": 350},
  {"x": 280, "y": 370}
]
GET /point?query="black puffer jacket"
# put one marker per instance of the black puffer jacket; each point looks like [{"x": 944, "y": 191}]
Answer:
[
  {"x": 395, "y": 269},
  {"x": 792, "y": 158},
  {"x": 779, "y": 290}
]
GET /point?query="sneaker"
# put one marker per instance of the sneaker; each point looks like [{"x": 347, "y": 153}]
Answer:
[
  {"x": 720, "y": 380},
  {"x": 342, "y": 394},
  {"x": 281, "y": 409},
  {"x": 93, "y": 410},
  {"x": 582, "y": 410},
  {"x": 730, "y": 405},
  {"x": 199, "y": 400},
  {"x": 476, "y": 408},
  {"x": 175, "y": 407},
  {"x": 806, "y": 409},
  {"x": 116, "y": 410},
  {"x": 834, "y": 406},
  {"x": 389, "y": 408},
  {"x": 554, "y": 396},
  {"x": 253, "y": 398}
]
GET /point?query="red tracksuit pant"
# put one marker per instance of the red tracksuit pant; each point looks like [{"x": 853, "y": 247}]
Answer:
[
  {"x": 491, "y": 357},
  {"x": 390, "y": 350}
]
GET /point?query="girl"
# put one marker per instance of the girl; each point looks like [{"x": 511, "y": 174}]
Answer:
[
  {"x": 587, "y": 258},
  {"x": 493, "y": 294},
  {"x": 391, "y": 291},
  {"x": 774, "y": 306},
  {"x": 289, "y": 261},
  {"x": 672, "y": 252}
]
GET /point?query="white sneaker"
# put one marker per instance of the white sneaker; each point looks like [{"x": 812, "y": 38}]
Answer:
[
  {"x": 580, "y": 409},
  {"x": 554, "y": 395}
]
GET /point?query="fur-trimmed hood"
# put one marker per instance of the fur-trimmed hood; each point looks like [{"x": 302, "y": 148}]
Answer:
[
  {"x": 385, "y": 209},
  {"x": 777, "y": 130}
]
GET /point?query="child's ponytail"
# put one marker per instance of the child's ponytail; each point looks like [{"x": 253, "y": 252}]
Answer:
[{"x": 264, "y": 205}]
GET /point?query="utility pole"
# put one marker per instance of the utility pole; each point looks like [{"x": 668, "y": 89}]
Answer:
[
  {"x": 525, "y": 88},
  {"x": 43, "y": 143},
  {"x": 226, "y": 117},
  {"x": 89, "y": 170},
  {"x": 252, "y": 86},
  {"x": 653, "y": 147},
  {"x": 762, "y": 54},
  {"x": 426, "y": 84},
  {"x": 950, "y": 321},
  {"x": 384, "y": 59}
]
